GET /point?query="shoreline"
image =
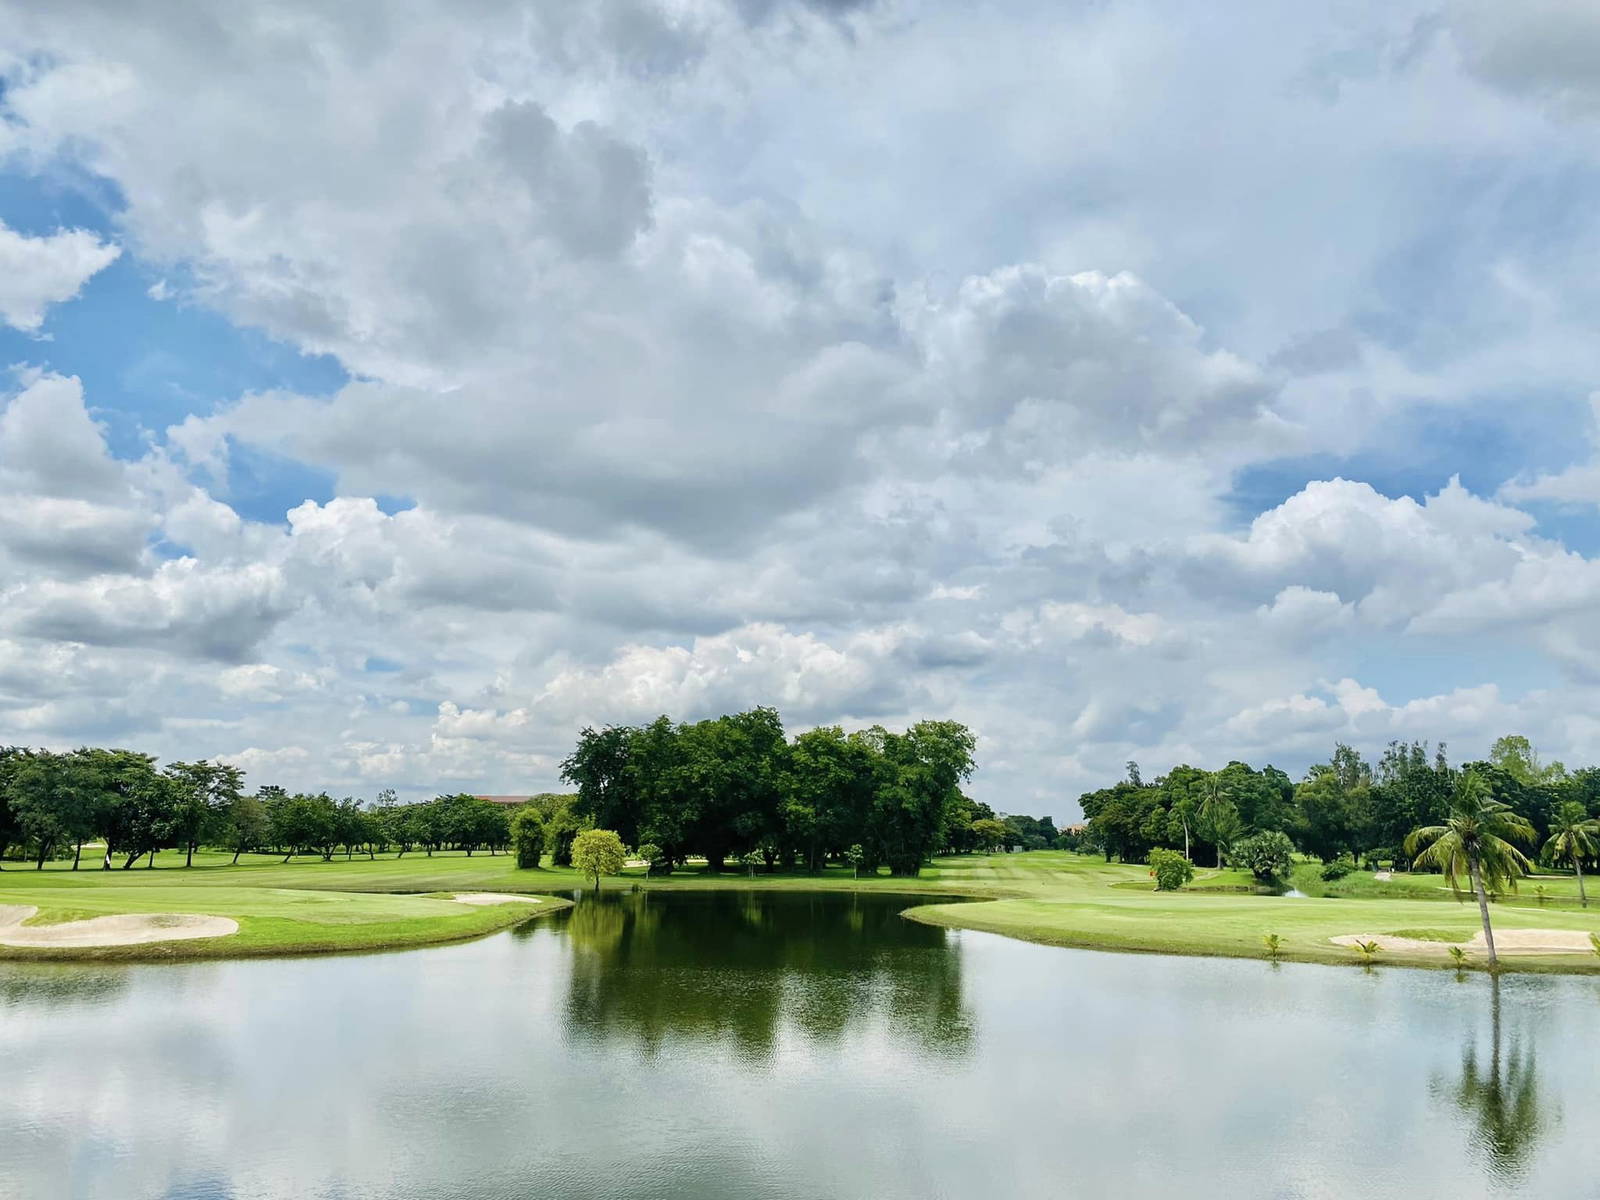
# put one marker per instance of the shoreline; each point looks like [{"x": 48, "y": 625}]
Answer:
[{"x": 1045, "y": 897}]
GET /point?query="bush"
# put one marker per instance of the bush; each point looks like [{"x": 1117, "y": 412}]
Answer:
[
  {"x": 1171, "y": 869},
  {"x": 1337, "y": 869},
  {"x": 1265, "y": 855},
  {"x": 527, "y": 837}
]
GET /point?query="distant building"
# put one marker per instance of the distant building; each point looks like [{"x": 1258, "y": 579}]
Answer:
[{"x": 508, "y": 801}]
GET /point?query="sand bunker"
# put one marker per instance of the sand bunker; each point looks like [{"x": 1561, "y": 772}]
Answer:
[
  {"x": 1506, "y": 941},
  {"x": 129, "y": 929},
  {"x": 484, "y": 899}
]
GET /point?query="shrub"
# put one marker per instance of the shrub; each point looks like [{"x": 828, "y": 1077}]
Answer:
[
  {"x": 1171, "y": 869},
  {"x": 1265, "y": 855},
  {"x": 654, "y": 858},
  {"x": 1337, "y": 869},
  {"x": 527, "y": 836}
]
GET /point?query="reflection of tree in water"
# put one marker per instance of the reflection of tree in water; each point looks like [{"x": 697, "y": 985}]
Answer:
[
  {"x": 24, "y": 986},
  {"x": 1502, "y": 1098},
  {"x": 747, "y": 966}
]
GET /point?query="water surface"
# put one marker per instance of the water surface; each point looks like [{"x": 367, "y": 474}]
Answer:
[{"x": 728, "y": 1045}]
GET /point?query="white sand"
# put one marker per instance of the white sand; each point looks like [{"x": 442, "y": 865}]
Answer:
[
  {"x": 1506, "y": 941},
  {"x": 484, "y": 899},
  {"x": 130, "y": 929}
]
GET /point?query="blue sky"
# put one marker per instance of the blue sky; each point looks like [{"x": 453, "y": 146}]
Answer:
[{"x": 1126, "y": 382}]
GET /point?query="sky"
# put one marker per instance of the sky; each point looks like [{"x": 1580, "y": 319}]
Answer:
[{"x": 392, "y": 390}]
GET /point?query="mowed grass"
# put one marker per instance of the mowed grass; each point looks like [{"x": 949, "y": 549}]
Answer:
[
  {"x": 1086, "y": 903},
  {"x": 1044, "y": 896},
  {"x": 1560, "y": 889},
  {"x": 276, "y": 914}
]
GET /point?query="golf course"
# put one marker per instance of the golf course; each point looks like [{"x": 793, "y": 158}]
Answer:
[{"x": 270, "y": 907}]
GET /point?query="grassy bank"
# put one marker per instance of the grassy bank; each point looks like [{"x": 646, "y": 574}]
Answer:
[
  {"x": 275, "y": 916},
  {"x": 1079, "y": 901},
  {"x": 1045, "y": 896}
]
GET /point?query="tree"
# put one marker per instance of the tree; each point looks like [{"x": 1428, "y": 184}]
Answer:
[
  {"x": 205, "y": 789},
  {"x": 1574, "y": 836},
  {"x": 651, "y": 853},
  {"x": 597, "y": 852},
  {"x": 918, "y": 778},
  {"x": 38, "y": 787},
  {"x": 1515, "y": 755},
  {"x": 827, "y": 790},
  {"x": 855, "y": 856},
  {"x": 527, "y": 837},
  {"x": 990, "y": 834},
  {"x": 603, "y": 769},
  {"x": 1477, "y": 837},
  {"x": 148, "y": 818},
  {"x": 562, "y": 825},
  {"x": 1171, "y": 869},
  {"x": 247, "y": 825},
  {"x": 303, "y": 822},
  {"x": 1266, "y": 855},
  {"x": 1220, "y": 822}
]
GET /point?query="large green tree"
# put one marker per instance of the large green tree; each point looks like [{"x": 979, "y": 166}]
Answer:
[
  {"x": 206, "y": 790},
  {"x": 827, "y": 786},
  {"x": 919, "y": 777}
]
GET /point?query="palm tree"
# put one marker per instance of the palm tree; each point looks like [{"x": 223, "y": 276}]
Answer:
[
  {"x": 1476, "y": 838},
  {"x": 1219, "y": 819},
  {"x": 1574, "y": 835}
]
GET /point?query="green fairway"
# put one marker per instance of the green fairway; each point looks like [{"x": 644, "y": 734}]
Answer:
[
  {"x": 1046, "y": 896},
  {"x": 275, "y": 915}
]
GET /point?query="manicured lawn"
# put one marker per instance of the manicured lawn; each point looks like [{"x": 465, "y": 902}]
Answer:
[
  {"x": 1084, "y": 902},
  {"x": 1045, "y": 896},
  {"x": 272, "y": 919}
]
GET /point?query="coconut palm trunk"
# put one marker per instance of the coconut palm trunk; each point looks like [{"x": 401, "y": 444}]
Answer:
[
  {"x": 1577, "y": 865},
  {"x": 1483, "y": 907}
]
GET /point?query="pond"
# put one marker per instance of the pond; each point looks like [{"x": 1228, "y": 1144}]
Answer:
[{"x": 788, "y": 1045}]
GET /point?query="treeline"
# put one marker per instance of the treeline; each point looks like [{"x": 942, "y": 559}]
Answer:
[
  {"x": 734, "y": 787},
  {"x": 53, "y": 804},
  {"x": 1344, "y": 809}
]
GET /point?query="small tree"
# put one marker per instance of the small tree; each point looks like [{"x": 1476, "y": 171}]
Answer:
[
  {"x": 748, "y": 861},
  {"x": 1266, "y": 855},
  {"x": 855, "y": 856},
  {"x": 651, "y": 853},
  {"x": 1171, "y": 869},
  {"x": 527, "y": 837},
  {"x": 597, "y": 852}
]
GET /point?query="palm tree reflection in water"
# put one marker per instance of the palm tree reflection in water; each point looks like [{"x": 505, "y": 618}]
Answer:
[{"x": 1501, "y": 1099}]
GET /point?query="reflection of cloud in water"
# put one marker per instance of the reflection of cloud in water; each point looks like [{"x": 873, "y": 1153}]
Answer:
[
  {"x": 670, "y": 1047},
  {"x": 750, "y": 968}
]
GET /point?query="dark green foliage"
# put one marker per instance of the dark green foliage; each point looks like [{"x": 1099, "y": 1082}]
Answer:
[
  {"x": 732, "y": 787},
  {"x": 1336, "y": 870},
  {"x": 527, "y": 837},
  {"x": 1266, "y": 855}
]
